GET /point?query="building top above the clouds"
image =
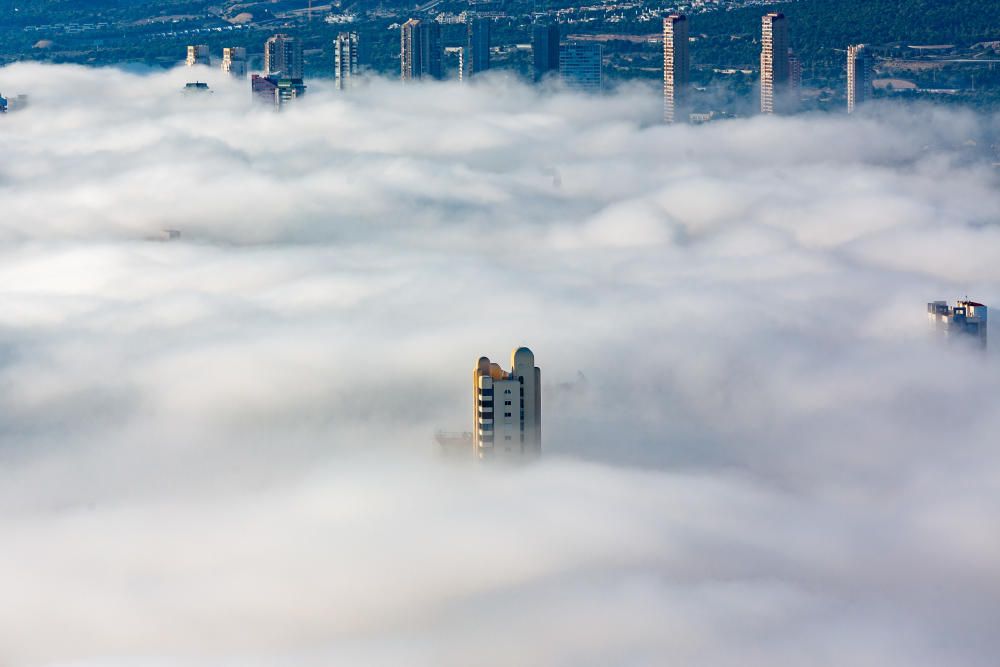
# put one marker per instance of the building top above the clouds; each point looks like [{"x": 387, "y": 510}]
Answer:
[
  {"x": 964, "y": 319},
  {"x": 507, "y": 407}
]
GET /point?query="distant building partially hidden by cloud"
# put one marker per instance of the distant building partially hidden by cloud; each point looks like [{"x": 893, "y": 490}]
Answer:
[
  {"x": 544, "y": 49},
  {"x": 234, "y": 61},
  {"x": 775, "y": 66},
  {"x": 507, "y": 407},
  {"x": 965, "y": 320},
  {"x": 196, "y": 87},
  {"x": 580, "y": 66},
  {"x": 859, "y": 76},
  {"x": 676, "y": 67},
  {"x": 274, "y": 91},
  {"x": 197, "y": 54},
  {"x": 420, "y": 51},
  {"x": 283, "y": 56},
  {"x": 345, "y": 60}
]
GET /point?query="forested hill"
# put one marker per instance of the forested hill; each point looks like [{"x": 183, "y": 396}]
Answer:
[{"x": 817, "y": 26}]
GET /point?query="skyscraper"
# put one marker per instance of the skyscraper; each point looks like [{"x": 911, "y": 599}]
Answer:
[
  {"x": 507, "y": 407},
  {"x": 774, "y": 66},
  {"x": 580, "y": 65},
  {"x": 859, "y": 76},
  {"x": 676, "y": 67},
  {"x": 967, "y": 320},
  {"x": 197, "y": 54},
  {"x": 283, "y": 56},
  {"x": 345, "y": 59},
  {"x": 544, "y": 49},
  {"x": 420, "y": 50},
  {"x": 234, "y": 61},
  {"x": 477, "y": 49}
]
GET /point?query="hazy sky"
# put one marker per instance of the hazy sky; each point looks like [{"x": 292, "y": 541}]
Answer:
[{"x": 217, "y": 450}]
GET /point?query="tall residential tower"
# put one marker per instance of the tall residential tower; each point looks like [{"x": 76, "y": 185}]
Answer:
[
  {"x": 477, "y": 50},
  {"x": 420, "y": 52},
  {"x": 859, "y": 76},
  {"x": 507, "y": 407},
  {"x": 345, "y": 60},
  {"x": 775, "y": 68},
  {"x": 197, "y": 54},
  {"x": 234, "y": 61},
  {"x": 283, "y": 56},
  {"x": 676, "y": 67}
]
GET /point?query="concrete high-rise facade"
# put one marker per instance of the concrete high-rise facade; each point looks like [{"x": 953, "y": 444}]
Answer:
[
  {"x": 345, "y": 60},
  {"x": 234, "y": 61},
  {"x": 966, "y": 320},
  {"x": 544, "y": 49},
  {"x": 859, "y": 76},
  {"x": 477, "y": 50},
  {"x": 580, "y": 66},
  {"x": 676, "y": 67},
  {"x": 507, "y": 407},
  {"x": 775, "y": 69},
  {"x": 197, "y": 54},
  {"x": 283, "y": 57},
  {"x": 420, "y": 53}
]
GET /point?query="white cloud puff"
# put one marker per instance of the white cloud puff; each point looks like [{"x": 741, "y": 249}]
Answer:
[{"x": 217, "y": 450}]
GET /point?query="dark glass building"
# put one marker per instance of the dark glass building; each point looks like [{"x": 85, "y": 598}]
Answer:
[{"x": 544, "y": 49}]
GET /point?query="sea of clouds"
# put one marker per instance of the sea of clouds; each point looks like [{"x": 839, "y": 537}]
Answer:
[{"x": 218, "y": 450}]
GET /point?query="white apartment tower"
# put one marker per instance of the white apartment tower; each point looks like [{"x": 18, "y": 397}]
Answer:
[
  {"x": 676, "y": 67},
  {"x": 197, "y": 54},
  {"x": 859, "y": 76},
  {"x": 234, "y": 61},
  {"x": 345, "y": 60},
  {"x": 507, "y": 407},
  {"x": 775, "y": 68}
]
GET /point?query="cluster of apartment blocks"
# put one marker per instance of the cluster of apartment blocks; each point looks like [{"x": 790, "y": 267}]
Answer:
[
  {"x": 579, "y": 64},
  {"x": 780, "y": 69}
]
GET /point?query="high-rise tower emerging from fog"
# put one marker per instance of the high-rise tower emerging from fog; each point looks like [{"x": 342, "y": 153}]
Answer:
[
  {"x": 283, "y": 56},
  {"x": 544, "y": 49},
  {"x": 581, "y": 66},
  {"x": 234, "y": 61},
  {"x": 965, "y": 320},
  {"x": 676, "y": 66},
  {"x": 197, "y": 54},
  {"x": 477, "y": 50},
  {"x": 345, "y": 59},
  {"x": 775, "y": 68},
  {"x": 507, "y": 407},
  {"x": 859, "y": 76},
  {"x": 420, "y": 51}
]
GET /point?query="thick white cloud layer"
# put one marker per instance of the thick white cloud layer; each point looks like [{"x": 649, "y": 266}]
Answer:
[{"x": 217, "y": 450}]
